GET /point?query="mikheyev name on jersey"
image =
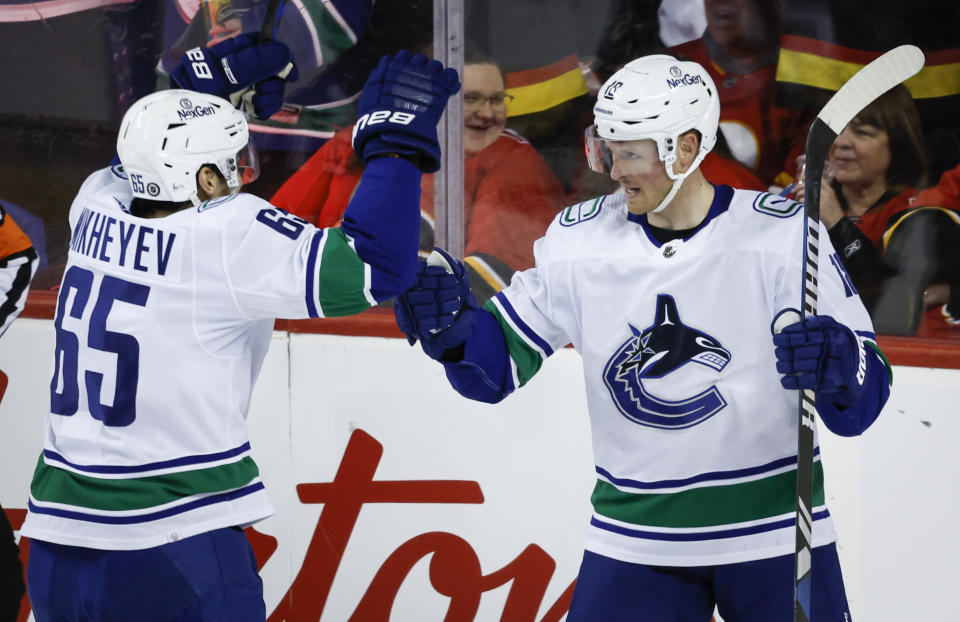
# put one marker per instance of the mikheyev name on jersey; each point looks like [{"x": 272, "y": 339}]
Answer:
[{"x": 132, "y": 247}]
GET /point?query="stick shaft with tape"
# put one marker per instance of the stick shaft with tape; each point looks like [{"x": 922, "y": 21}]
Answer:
[{"x": 866, "y": 85}]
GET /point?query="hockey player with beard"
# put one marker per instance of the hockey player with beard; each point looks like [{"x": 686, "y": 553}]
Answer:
[
  {"x": 165, "y": 313},
  {"x": 670, "y": 288}
]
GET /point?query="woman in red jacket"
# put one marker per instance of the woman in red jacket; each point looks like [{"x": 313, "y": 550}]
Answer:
[{"x": 893, "y": 239}]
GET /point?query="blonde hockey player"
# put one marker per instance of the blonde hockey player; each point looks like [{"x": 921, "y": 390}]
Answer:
[{"x": 669, "y": 289}]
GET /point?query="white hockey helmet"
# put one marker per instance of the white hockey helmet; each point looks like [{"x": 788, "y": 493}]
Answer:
[
  {"x": 167, "y": 136},
  {"x": 659, "y": 98}
]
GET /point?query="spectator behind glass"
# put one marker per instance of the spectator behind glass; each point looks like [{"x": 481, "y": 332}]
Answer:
[
  {"x": 925, "y": 244},
  {"x": 638, "y": 29},
  {"x": 893, "y": 241},
  {"x": 739, "y": 49},
  {"x": 510, "y": 194}
]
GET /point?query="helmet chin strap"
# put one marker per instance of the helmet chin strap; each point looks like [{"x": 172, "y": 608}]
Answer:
[{"x": 677, "y": 180}]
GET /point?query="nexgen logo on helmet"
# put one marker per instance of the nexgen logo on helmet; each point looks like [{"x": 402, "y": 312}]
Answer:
[
  {"x": 687, "y": 79},
  {"x": 189, "y": 111},
  {"x": 658, "y": 98}
]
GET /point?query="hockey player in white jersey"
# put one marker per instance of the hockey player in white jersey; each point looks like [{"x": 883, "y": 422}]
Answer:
[
  {"x": 164, "y": 316},
  {"x": 669, "y": 289}
]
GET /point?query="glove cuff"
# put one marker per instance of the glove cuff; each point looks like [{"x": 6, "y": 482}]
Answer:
[
  {"x": 427, "y": 159},
  {"x": 375, "y": 147}
]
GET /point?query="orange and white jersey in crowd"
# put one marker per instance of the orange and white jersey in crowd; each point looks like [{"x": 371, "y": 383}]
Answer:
[{"x": 18, "y": 262}]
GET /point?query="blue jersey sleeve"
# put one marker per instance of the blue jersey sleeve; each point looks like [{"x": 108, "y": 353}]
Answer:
[{"x": 383, "y": 221}]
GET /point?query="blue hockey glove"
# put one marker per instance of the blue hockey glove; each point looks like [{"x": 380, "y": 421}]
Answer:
[
  {"x": 400, "y": 106},
  {"x": 821, "y": 354},
  {"x": 240, "y": 69},
  {"x": 439, "y": 310}
]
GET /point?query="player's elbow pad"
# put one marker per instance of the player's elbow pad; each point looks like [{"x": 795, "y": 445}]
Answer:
[{"x": 853, "y": 420}]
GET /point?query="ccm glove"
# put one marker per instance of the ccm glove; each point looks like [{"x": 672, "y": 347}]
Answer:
[
  {"x": 821, "y": 354},
  {"x": 247, "y": 73},
  {"x": 399, "y": 109},
  {"x": 439, "y": 310}
]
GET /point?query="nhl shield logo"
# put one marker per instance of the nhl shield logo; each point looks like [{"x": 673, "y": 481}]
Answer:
[{"x": 657, "y": 351}]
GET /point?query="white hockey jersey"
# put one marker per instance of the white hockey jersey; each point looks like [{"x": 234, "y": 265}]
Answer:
[
  {"x": 694, "y": 439},
  {"x": 161, "y": 328}
]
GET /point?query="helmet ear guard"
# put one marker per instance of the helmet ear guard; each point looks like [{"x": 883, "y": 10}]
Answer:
[
  {"x": 167, "y": 136},
  {"x": 659, "y": 98}
]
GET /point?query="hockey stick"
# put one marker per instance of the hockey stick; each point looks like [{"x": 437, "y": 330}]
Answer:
[
  {"x": 866, "y": 85},
  {"x": 271, "y": 20}
]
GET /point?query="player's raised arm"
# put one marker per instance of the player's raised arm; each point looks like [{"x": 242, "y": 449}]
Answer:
[
  {"x": 372, "y": 257},
  {"x": 395, "y": 135}
]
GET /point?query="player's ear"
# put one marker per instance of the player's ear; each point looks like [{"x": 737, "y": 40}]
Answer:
[
  {"x": 688, "y": 145},
  {"x": 209, "y": 181}
]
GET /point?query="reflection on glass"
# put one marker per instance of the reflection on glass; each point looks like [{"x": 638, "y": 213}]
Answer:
[{"x": 774, "y": 65}]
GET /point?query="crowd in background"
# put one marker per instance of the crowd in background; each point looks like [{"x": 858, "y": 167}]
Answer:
[{"x": 891, "y": 199}]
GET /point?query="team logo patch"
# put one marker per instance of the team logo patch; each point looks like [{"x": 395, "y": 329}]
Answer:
[
  {"x": 775, "y": 205},
  {"x": 580, "y": 212},
  {"x": 215, "y": 202},
  {"x": 661, "y": 349}
]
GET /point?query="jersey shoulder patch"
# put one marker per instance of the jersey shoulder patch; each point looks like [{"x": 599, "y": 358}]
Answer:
[
  {"x": 775, "y": 205},
  {"x": 119, "y": 171},
  {"x": 581, "y": 212},
  {"x": 216, "y": 202}
]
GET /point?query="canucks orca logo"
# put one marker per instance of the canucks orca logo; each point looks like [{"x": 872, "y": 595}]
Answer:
[{"x": 655, "y": 352}]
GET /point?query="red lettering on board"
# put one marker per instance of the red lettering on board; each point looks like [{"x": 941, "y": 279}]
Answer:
[{"x": 454, "y": 569}]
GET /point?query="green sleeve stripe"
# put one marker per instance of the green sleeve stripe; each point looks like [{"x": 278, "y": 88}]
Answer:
[
  {"x": 331, "y": 27},
  {"x": 55, "y": 485},
  {"x": 526, "y": 358},
  {"x": 337, "y": 33},
  {"x": 883, "y": 357},
  {"x": 707, "y": 506},
  {"x": 343, "y": 280}
]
